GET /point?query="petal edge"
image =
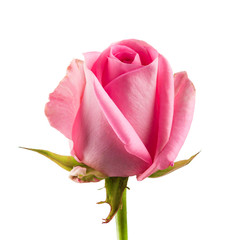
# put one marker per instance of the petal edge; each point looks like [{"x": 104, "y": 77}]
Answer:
[
  {"x": 184, "y": 103},
  {"x": 64, "y": 102}
]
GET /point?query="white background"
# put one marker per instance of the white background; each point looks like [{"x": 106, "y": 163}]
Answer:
[{"x": 38, "y": 41}]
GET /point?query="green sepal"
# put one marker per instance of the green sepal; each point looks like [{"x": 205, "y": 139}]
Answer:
[
  {"x": 115, "y": 187},
  {"x": 170, "y": 169},
  {"x": 66, "y": 162}
]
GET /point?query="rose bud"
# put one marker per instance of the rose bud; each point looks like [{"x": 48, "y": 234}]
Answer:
[{"x": 124, "y": 110}]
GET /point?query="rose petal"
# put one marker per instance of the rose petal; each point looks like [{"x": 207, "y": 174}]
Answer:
[
  {"x": 183, "y": 113},
  {"x": 124, "y": 54},
  {"x": 100, "y": 64},
  {"x": 134, "y": 94},
  {"x": 100, "y": 132},
  {"x": 120, "y": 124},
  {"x": 91, "y": 58},
  {"x": 146, "y": 52},
  {"x": 165, "y": 102},
  {"x": 115, "y": 67},
  {"x": 64, "y": 102}
]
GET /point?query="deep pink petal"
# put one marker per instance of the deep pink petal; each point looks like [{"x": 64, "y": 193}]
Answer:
[
  {"x": 146, "y": 52},
  {"x": 183, "y": 113},
  {"x": 64, "y": 102},
  {"x": 134, "y": 94},
  {"x": 117, "y": 63},
  {"x": 124, "y": 54},
  {"x": 100, "y": 64},
  {"x": 165, "y": 102},
  {"x": 115, "y": 68},
  {"x": 101, "y": 135}
]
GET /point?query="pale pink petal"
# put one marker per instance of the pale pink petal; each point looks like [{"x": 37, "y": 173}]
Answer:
[
  {"x": 134, "y": 94},
  {"x": 183, "y": 113},
  {"x": 165, "y": 102},
  {"x": 78, "y": 170},
  {"x": 100, "y": 132},
  {"x": 64, "y": 102},
  {"x": 91, "y": 58}
]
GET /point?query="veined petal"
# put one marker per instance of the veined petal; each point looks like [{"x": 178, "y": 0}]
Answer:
[
  {"x": 100, "y": 133},
  {"x": 120, "y": 124},
  {"x": 134, "y": 95},
  {"x": 64, "y": 102},
  {"x": 183, "y": 113}
]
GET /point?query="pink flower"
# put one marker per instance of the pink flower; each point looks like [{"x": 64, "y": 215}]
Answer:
[{"x": 123, "y": 109}]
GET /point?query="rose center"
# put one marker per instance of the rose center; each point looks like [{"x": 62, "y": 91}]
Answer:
[
  {"x": 123, "y": 53},
  {"x": 125, "y": 57}
]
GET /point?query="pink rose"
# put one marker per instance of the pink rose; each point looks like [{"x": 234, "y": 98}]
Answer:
[{"x": 123, "y": 109}]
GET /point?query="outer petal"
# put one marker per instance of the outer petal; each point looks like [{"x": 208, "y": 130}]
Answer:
[
  {"x": 183, "y": 114},
  {"x": 91, "y": 58},
  {"x": 165, "y": 102},
  {"x": 134, "y": 94},
  {"x": 101, "y": 135},
  {"x": 64, "y": 102}
]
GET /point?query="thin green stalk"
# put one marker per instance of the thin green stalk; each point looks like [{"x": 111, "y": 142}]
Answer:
[{"x": 121, "y": 219}]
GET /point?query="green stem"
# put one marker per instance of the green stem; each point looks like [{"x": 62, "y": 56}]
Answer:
[{"x": 121, "y": 219}]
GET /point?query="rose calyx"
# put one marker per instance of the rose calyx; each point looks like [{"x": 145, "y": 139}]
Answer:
[{"x": 79, "y": 172}]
